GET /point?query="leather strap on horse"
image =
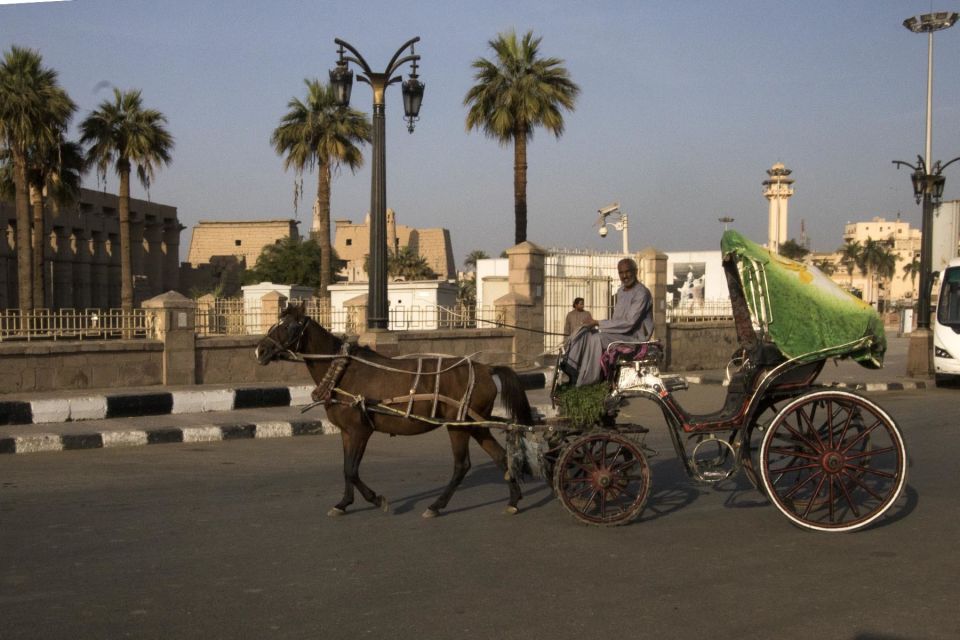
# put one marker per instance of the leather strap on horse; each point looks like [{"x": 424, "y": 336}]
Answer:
[{"x": 332, "y": 377}]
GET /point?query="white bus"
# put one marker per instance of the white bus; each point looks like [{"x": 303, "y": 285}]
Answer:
[{"x": 946, "y": 324}]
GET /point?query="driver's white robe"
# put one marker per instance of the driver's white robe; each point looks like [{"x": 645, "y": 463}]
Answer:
[{"x": 632, "y": 321}]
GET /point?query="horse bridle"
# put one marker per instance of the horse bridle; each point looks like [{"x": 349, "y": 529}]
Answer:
[{"x": 292, "y": 348}]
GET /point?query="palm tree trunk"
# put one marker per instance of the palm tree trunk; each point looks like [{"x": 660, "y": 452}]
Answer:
[
  {"x": 520, "y": 184},
  {"x": 323, "y": 235},
  {"x": 126, "y": 265},
  {"x": 24, "y": 252},
  {"x": 39, "y": 240}
]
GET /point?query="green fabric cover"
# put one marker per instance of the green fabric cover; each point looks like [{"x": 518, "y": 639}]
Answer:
[{"x": 803, "y": 310}]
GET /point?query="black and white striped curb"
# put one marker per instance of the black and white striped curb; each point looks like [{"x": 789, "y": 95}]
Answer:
[
  {"x": 46, "y": 442},
  {"x": 48, "y": 410}
]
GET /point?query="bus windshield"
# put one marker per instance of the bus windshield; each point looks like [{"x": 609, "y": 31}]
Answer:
[{"x": 948, "y": 307}]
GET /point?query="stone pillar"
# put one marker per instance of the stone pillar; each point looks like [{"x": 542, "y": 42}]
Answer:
[
  {"x": 6, "y": 257},
  {"x": 113, "y": 272},
  {"x": 136, "y": 246},
  {"x": 523, "y": 306},
  {"x": 653, "y": 274},
  {"x": 99, "y": 270},
  {"x": 170, "y": 318},
  {"x": 63, "y": 266},
  {"x": 171, "y": 255},
  {"x": 271, "y": 304},
  {"x": 81, "y": 274},
  {"x": 154, "y": 263}
]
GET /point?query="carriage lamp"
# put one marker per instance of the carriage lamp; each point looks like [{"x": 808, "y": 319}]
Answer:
[{"x": 341, "y": 79}]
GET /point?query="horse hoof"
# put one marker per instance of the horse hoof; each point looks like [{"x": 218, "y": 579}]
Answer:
[
  {"x": 511, "y": 511},
  {"x": 336, "y": 511},
  {"x": 430, "y": 513},
  {"x": 382, "y": 503}
]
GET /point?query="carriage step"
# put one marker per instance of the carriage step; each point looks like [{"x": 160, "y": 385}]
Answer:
[{"x": 674, "y": 382}]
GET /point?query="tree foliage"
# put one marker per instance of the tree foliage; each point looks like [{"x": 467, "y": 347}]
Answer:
[
  {"x": 793, "y": 250},
  {"x": 470, "y": 262},
  {"x": 405, "y": 264},
  {"x": 515, "y": 93},
  {"x": 290, "y": 261}
]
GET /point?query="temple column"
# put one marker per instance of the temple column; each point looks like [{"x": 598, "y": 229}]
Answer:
[
  {"x": 113, "y": 272},
  {"x": 171, "y": 256},
  {"x": 6, "y": 260},
  {"x": 153, "y": 259},
  {"x": 63, "y": 264},
  {"x": 99, "y": 268},
  {"x": 81, "y": 272}
]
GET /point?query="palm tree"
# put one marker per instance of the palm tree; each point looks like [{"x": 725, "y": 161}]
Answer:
[
  {"x": 793, "y": 250},
  {"x": 470, "y": 262},
  {"x": 850, "y": 257},
  {"x": 34, "y": 111},
  {"x": 877, "y": 261},
  {"x": 912, "y": 270},
  {"x": 514, "y": 94},
  {"x": 317, "y": 131},
  {"x": 123, "y": 133}
]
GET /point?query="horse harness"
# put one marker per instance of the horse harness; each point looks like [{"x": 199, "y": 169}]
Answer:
[{"x": 327, "y": 389}]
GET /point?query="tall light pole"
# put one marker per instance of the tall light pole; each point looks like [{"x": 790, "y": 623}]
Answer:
[
  {"x": 341, "y": 78},
  {"x": 928, "y": 186},
  {"x": 726, "y": 220}
]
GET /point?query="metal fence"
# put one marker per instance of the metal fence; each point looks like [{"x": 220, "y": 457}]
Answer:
[
  {"x": 705, "y": 310},
  {"x": 227, "y": 317},
  {"x": 72, "y": 324}
]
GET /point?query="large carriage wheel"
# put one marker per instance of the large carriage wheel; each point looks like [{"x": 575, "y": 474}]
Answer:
[
  {"x": 602, "y": 479},
  {"x": 833, "y": 461}
]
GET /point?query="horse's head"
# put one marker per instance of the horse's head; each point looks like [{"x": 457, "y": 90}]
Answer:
[{"x": 284, "y": 338}]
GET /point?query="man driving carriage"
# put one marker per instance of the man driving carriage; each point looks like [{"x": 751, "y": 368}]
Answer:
[{"x": 632, "y": 321}]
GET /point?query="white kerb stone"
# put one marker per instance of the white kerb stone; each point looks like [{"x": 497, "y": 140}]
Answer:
[
  {"x": 88, "y": 408},
  {"x": 273, "y": 430},
  {"x": 204, "y": 433},
  {"x": 50, "y": 410}
]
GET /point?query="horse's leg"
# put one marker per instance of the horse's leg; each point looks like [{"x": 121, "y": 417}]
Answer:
[
  {"x": 489, "y": 444},
  {"x": 354, "y": 445},
  {"x": 460, "y": 443}
]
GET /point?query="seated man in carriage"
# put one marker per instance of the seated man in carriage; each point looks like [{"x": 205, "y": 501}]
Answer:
[{"x": 632, "y": 321}]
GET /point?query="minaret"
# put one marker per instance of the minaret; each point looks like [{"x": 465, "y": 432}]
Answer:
[{"x": 777, "y": 190}]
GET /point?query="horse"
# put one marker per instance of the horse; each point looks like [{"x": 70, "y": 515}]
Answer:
[{"x": 365, "y": 392}]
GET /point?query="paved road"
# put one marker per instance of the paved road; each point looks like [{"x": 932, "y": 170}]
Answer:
[{"x": 230, "y": 540}]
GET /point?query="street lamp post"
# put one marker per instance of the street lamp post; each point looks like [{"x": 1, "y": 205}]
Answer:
[
  {"x": 928, "y": 186},
  {"x": 619, "y": 225},
  {"x": 341, "y": 79},
  {"x": 726, "y": 220}
]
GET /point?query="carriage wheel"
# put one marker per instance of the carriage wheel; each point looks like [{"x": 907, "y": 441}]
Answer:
[
  {"x": 833, "y": 461},
  {"x": 602, "y": 479}
]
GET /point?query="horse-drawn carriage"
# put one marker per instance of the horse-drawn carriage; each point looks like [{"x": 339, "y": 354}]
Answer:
[{"x": 828, "y": 459}]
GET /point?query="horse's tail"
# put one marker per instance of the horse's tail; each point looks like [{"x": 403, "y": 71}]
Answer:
[{"x": 512, "y": 395}]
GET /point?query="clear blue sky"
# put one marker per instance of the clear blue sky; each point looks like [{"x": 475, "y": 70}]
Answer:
[{"x": 684, "y": 106}]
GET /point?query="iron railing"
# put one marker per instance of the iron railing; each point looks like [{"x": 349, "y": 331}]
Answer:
[
  {"x": 72, "y": 324},
  {"x": 693, "y": 311}
]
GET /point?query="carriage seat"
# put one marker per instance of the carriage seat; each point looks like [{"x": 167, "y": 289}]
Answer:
[{"x": 618, "y": 353}]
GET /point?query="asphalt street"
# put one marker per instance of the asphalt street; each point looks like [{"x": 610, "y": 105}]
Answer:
[{"x": 230, "y": 540}]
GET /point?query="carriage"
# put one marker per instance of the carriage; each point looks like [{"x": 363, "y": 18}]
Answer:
[{"x": 828, "y": 459}]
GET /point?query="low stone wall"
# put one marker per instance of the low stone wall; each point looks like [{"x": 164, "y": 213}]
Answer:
[
  {"x": 106, "y": 364},
  {"x": 695, "y": 346},
  {"x": 230, "y": 359},
  {"x": 114, "y": 364}
]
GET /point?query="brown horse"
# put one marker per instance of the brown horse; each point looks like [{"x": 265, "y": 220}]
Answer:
[{"x": 364, "y": 392}]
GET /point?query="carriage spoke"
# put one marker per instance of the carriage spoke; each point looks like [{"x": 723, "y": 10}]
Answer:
[
  {"x": 794, "y": 453},
  {"x": 816, "y": 493}
]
